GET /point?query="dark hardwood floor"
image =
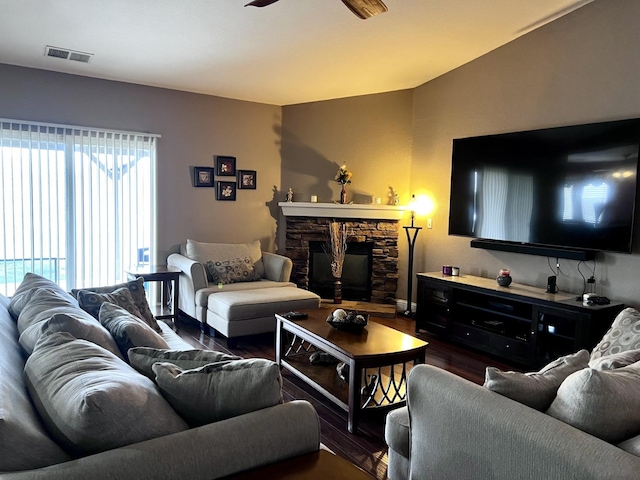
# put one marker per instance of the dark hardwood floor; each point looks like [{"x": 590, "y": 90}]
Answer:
[{"x": 367, "y": 448}]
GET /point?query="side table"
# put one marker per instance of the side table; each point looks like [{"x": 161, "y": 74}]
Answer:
[{"x": 169, "y": 278}]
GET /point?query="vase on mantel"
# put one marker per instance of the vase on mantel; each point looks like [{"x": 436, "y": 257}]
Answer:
[
  {"x": 337, "y": 291},
  {"x": 343, "y": 194}
]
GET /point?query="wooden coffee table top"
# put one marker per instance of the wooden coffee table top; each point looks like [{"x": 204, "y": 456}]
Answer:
[
  {"x": 320, "y": 465},
  {"x": 375, "y": 339}
]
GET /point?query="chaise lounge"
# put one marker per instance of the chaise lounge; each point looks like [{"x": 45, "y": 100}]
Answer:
[{"x": 236, "y": 288}]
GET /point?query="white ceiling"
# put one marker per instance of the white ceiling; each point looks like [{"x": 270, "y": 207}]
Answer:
[{"x": 293, "y": 51}]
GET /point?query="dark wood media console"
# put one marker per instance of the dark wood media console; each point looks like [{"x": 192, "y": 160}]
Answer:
[{"x": 522, "y": 324}]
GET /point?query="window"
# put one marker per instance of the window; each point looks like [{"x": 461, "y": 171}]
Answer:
[{"x": 76, "y": 204}]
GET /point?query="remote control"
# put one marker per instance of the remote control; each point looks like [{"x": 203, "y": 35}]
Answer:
[{"x": 295, "y": 315}]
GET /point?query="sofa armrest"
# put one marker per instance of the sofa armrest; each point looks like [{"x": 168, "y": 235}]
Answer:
[
  {"x": 193, "y": 278},
  {"x": 276, "y": 267},
  {"x": 208, "y": 452},
  {"x": 462, "y": 430}
]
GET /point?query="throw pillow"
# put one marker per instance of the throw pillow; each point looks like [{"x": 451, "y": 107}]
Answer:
[
  {"x": 538, "y": 389},
  {"x": 220, "y": 390},
  {"x": 232, "y": 271},
  {"x": 24, "y": 441},
  {"x": 91, "y": 301},
  {"x": 143, "y": 358},
  {"x": 78, "y": 323},
  {"x": 615, "y": 360},
  {"x": 203, "y": 252},
  {"x": 42, "y": 304},
  {"x": 29, "y": 283},
  {"x": 605, "y": 404},
  {"x": 92, "y": 401},
  {"x": 128, "y": 330},
  {"x": 136, "y": 288},
  {"x": 623, "y": 335}
]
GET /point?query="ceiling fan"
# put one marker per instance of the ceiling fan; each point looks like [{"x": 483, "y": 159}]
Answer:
[{"x": 362, "y": 8}]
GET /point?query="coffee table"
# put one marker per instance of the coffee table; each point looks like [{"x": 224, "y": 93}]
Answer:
[
  {"x": 320, "y": 465},
  {"x": 379, "y": 360}
]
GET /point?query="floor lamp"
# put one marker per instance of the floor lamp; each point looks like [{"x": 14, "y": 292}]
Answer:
[{"x": 412, "y": 235}]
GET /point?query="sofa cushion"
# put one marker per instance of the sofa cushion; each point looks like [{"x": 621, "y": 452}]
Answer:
[
  {"x": 623, "y": 335},
  {"x": 76, "y": 322},
  {"x": 397, "y": 430},
  {"x": 136, "y": 288},
  {"x": 92, "y": 301},
  {"x": 143, "y": 358},
  {"x": 604, "y": 403},
  {"x": 128, "y": 330},
  {"x": 24, "y": 442},
  {"x": 91, "y": 400},
  {"x": 536, "y": 390},
  {"x": 43, "y": 304},
  {"x": 29, "y": 283},
  {"x": 220, "y": 390},
  {"x": 615, "y": 360},
  {"x": 203, "y": 252},
  {"x": 232, "y": 271}
]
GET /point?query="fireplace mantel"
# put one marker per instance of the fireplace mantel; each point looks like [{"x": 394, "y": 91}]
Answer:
[{"x": 337, "y": 210}]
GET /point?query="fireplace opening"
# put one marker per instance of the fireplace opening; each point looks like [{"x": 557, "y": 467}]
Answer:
[{"x": 356, "y": 271}]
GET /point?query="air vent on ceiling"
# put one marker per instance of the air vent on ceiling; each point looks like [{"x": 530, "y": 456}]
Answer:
[{"x": 66, "y": 54}]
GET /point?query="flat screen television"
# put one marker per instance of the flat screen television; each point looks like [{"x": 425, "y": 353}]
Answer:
[{"x": 569, "y": 188}]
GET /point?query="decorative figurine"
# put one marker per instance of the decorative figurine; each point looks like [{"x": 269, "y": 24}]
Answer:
[{"x": 289, "y": 195}]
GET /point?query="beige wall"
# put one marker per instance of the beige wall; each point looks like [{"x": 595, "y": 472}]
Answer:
[
  {"x": 581, "y": 68},
  {"x": 193, "y": 128}
]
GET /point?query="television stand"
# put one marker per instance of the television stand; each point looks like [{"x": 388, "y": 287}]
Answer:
[{"x": 522, "y": 324}]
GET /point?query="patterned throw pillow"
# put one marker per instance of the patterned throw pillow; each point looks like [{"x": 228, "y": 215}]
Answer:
[
  {"x": 136, "y": 287},
  {"x": 92, "y": 301},
  {"x": 143, "y": 358},
  {"x": 232, "y": 271},
  {"x": 623, "y": 335}
]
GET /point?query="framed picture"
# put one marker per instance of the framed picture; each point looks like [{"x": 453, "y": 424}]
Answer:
[
  {"x": 226, "y": 191},
  {"x": 202, "y": 177},
  {"x": 225, "y": 166},
  {"x": 246, "y": 179}
]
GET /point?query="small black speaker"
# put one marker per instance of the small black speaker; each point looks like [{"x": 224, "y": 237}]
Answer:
[{"x": 552, "y": 287}]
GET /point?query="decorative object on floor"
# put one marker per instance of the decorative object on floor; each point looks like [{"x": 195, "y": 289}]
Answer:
[
  {"x": 202, "y": 177},
  {"x": 504, "y": 278},
  {"x": 226, "y": 191},
  {"x": 289, "y": 196},
  {"x": 337, "y": 248},
  {"x": 343, "y": 371},
  {"x": 247, "y": 179},
  {"x": 353, "y": 321},
  {"x": 343, "y": 177},
  {"x": 225, "y": 166},
  {"x": 412, "y": 235},
  {"x": 322, "y": 358}
]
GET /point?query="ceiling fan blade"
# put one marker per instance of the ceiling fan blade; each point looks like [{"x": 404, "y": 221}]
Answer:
[
  {"x": 365, "y": 8},
  {"x": 260, "y": 3}
]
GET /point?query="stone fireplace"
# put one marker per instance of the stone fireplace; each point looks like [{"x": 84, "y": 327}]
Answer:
[{"x": 375, "y": 225}]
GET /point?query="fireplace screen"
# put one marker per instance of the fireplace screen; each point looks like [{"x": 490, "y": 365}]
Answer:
[{"x": 356, "y": 272}]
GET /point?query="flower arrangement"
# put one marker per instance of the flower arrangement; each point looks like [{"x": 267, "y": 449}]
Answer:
[{"x": 343, "y": 176}]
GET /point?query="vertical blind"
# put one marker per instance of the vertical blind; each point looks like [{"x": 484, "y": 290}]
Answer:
[{"x": 77, "y": 204}]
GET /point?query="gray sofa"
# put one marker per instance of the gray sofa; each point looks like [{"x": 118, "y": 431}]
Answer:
[
  {"x": 454, "y": 429},
  {"x": 29, "y": 450},
  {"x": 237, "y": 308}
]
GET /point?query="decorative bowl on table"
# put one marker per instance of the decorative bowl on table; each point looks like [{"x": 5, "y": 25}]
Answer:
[{"x": 352, "y": 321}]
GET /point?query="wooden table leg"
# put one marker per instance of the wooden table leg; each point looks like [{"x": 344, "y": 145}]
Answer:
[{"x": 355, "y": 380}]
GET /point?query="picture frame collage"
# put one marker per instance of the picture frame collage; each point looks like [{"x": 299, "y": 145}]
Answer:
[{"x": 226, "y": 189}]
